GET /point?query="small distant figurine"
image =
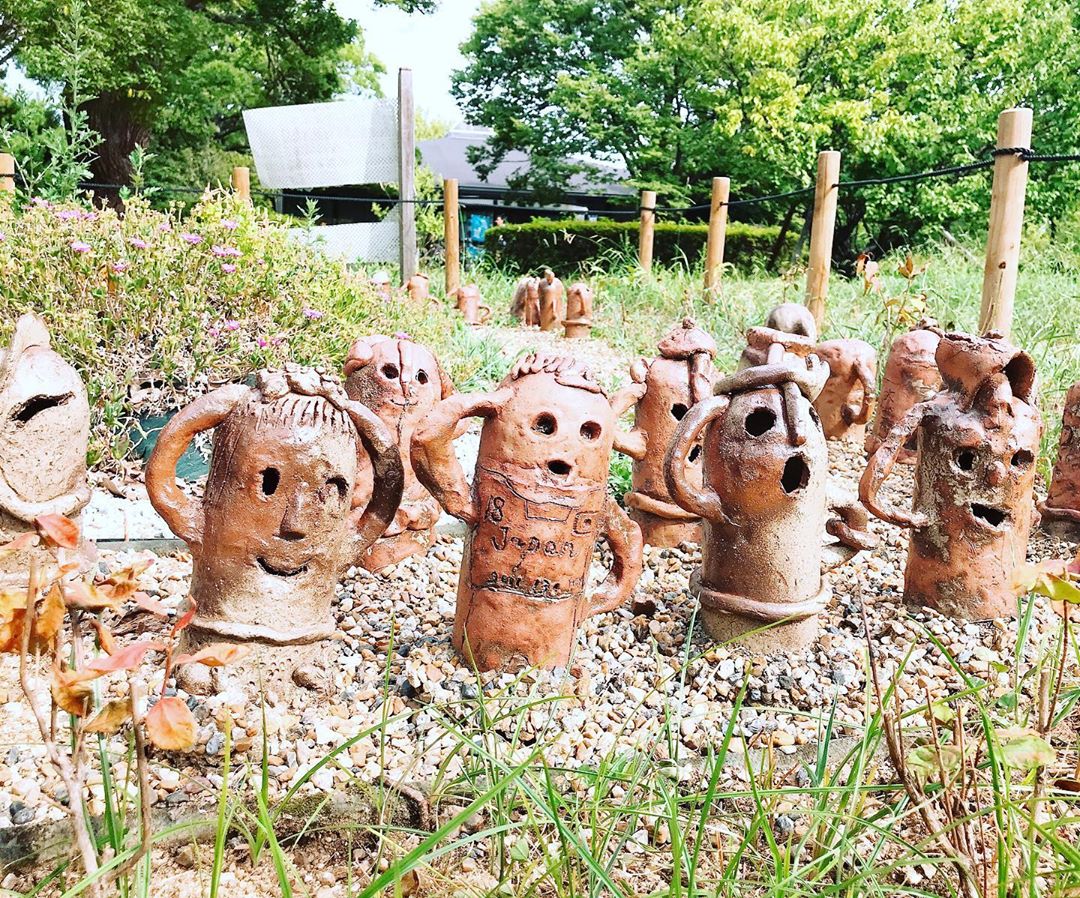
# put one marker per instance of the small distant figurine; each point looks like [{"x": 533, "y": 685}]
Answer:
[
  {"x": 535, "y": 509},
  {"x": 468, "y": 303},
  {"x": 911, "y": 376},
  {"x": 764, "y": 502},
  {"x": 380, "y": 280},
  {"x": 976, "y": 444},
  {"x": 552, "y": 301},
  {"x": 418, "y": 287},
  {"x": 786, "y": 318},
  {"x": 579, "y": 303},
  {"x": 44, "y": 431},
  {"x": 401, "y": 382},
  {"x": 846, "y": 401},
  {"x": 275, "y": 528},
  {"x": 526, "y": 303},
  {"x": 1061, "y": 510},
  {"x": 674, "y": 383}
]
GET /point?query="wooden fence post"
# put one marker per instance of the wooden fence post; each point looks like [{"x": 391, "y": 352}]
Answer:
[
  {"x": 714, "y": 244},
  {"x": 7, "y": 173},
  {"x": 823, "y": 224},
  {"x": 407, "y": 174},
  {"x": 1006, "y": 223},
  {"x": 241, "y": 182},
  {"x": 645, "y": 230},
  {"x": 451, "y": 235}
]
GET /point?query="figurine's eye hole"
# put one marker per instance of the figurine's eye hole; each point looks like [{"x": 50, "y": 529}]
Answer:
[
  {"x": 760, "y": 421},
  {"x": 37, "y": 405},
  {"x": 339, "y": 484},
  {"x": 965, "y": 459},
  {"x": 678, "y": 411},
  {"x": 545, "y": 424},
  {"x": 1022, "y": 458},
  {"x": 695, "y": 453},
  {"x": 590, "y": 430},
  {"x": 271, "y": 477},
  {"x": 390, "y": 371},
  {"x": 421, "y": 376}
]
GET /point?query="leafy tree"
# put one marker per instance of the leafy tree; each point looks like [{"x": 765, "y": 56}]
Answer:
[{"x": 680, "y": 90}]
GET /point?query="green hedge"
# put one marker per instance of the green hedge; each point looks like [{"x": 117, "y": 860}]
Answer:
[{"x": 573, "y": 244}]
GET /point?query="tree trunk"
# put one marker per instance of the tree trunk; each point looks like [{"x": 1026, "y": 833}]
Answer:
[{"x": 122, "y": 127}]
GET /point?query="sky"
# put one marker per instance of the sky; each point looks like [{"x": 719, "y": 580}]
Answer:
[{"x": 426, "y": 44}]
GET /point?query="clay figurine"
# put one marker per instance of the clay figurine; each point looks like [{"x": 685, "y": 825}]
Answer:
[
  {"x": 787, "y": 318},
  {"x": 764, "y": 503},
  {"x": 674, "y": 382},
  {"x": 552, "y": 301},
  {"x": 976, "y": 443},
  {"x": 536, "y": 506},
  {"x": 1061, "y": 510},
  {"x": 579, "y": 301},
  {"x": 401, "y": 382},
  {"x": 44, "y": 431},
  {"x": 276, "y": 528},
  {"x": 418, "y": 288},
  {"x": 468, "y": 303},
  {"x": 911, "y": 376},
  {"x": 526, "y": 303},
  {"x": 847, "y": 399}
]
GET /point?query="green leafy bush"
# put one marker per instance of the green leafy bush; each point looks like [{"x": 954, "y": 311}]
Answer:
[
  {"x": 152, "y": 307},
  {"x": 574, "y": 244}
]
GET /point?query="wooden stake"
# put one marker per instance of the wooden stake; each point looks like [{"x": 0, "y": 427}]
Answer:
[
  {"x": 645, "y": 231},
  {"x": 241, "y": 182},
  {"x": 714, "y": 244},
  {"x": 407, "y": 173},
  {"x": 821, "y": 233},
  {"x": 7, "y": 173},
  {"x": 1006, "y": 223},
  {"x": 451, "y": 235}
]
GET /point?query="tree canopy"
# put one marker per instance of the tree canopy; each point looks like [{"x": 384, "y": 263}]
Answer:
[{"x": 678, "y": 91}]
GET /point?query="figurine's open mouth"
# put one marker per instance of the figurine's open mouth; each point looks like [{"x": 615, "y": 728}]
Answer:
[
  {"x": 796, "y": 475},
  {"x": 988, "y": 516},
  {"x": 560, "y": 468},
  {"x": 280, "y": 571}
]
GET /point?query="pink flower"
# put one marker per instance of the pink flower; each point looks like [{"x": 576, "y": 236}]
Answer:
[
  {"x": 3, "y": 237},
  {"x": 312, "y": 314},
  {"x": 231, "y": 325},
  {"x": 228, "y": 267},
  {"x": 138, "y": 244},
  {"x": 191, "y": 238},
  {"x": 225, "y": 252},
  {"x": 229, "y": 225},
  {"x": 261, "y": 343},
  {"x": 165, "y": 226},
  {"x": 121, "y": 266},
  {"x": 38, "y": 201},
  {"x": 78, "y": 246},
  {"x": 278, "y": 340},
  {"x": 401, "y": 335},
  {"x": 88, "y": 216},
  {"x": 213, "y": 331},
  {"x": 67, "y": 214}
]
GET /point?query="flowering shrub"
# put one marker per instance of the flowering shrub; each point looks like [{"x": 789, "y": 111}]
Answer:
[{"x": 152, "y": 307}]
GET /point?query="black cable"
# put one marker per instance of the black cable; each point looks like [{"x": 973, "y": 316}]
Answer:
[{"x": 959, "y": 170}]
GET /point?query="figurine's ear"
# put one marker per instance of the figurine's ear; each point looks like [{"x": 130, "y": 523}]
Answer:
[
  {"x": 639, "y": 370},
  {"x": 29, "y": 331},
  {"x": 445, "y": 382},
  {"x": 361, "y": 353}
]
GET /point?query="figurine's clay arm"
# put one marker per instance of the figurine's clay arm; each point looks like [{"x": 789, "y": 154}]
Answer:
[
  {"x": 880, "y": 466},
  {"x": 184, "y": 515},
  {"x": 634, "y": 442},
  {"x": 67, "y": 504},
  {"x": 868, "y": 381},
  {"x": 388, "y": 476},
  {"x": 433, "y": 458},
  {"x": 851, "y": 528},
  {"x": 624, "y": 538},
  {"x": 702, "y": 501}
]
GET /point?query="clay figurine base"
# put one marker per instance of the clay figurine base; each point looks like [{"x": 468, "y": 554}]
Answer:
[
  {"x": 577, "y": 331},
  {"x": 392, "y": 549},
  {"x": 756, "y": 635},
  {"x": 665, "y": 533}
]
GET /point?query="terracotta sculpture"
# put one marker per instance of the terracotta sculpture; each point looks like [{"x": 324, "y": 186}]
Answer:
[
  {"x": 787, "y": 318},
  {"x": 681, "y": 377},
  {"x": 977, "y": 441},
  {"x": 911, "y": 376},
  {"x": 552, "y": 301},
  {"x": 526, "y": 303},
  {"x": 401, "y": 382},
  {"x": 847, "y": 399},
  {"x": 44, "y": 430},
  {"x": 536, "y": 506},
  {"x": 1061, "y": 510},
  {"x": 579, "y": 300},
  {"x": 380, "y": 280},
  {"x": 764, "y": 503},
  {"x": 276, "y": 528},
  {"x": 418, "y": 287},
  {"x": 468, "y": 303}
]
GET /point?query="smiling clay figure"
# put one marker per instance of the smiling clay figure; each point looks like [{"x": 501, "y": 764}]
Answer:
[
  {"x": 976, "y": 442},
  {"x": 401, "y": 382},
  {"x": 276, "y": 528},
  {"x": 537, "y": 504},
  {"x": 44, "y": 431}
]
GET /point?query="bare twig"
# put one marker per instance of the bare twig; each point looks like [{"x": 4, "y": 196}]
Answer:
[{"x": 144, "y": 783}]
